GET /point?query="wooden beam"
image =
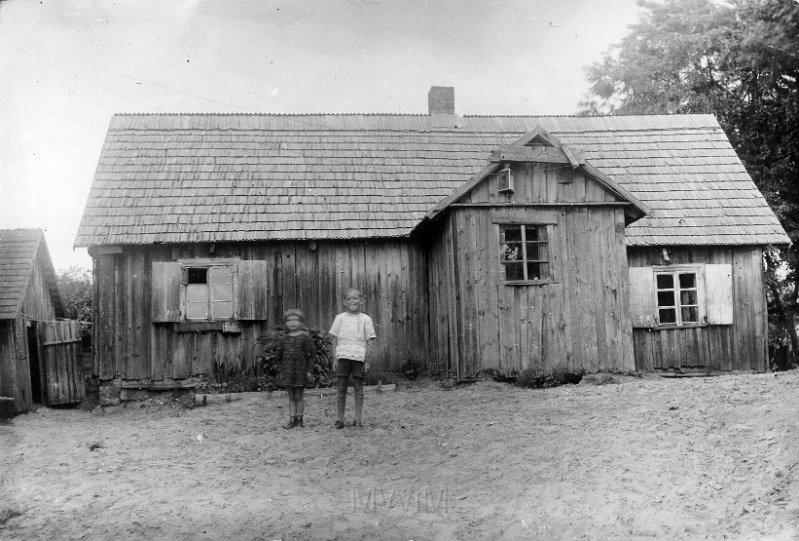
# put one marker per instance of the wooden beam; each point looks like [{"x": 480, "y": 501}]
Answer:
[
  {"x": 570, "y": 155},
  {"x": 513, "y": 153},
  {"x": 104, "y": 250},
  {"x": 534, "y": 205}
]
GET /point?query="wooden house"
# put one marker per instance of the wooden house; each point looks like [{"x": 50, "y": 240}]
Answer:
[
  {"x": 39, "y": 359},
  {"x": 504, "y": 243}
]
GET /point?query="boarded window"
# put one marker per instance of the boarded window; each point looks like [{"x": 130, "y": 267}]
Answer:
[{"x": 524, "y": 253}]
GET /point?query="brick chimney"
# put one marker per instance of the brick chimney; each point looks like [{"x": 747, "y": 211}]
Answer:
[{"x": 441, "y": 100}]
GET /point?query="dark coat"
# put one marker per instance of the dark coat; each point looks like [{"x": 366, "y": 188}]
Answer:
[{"x": 296, "y": 355}]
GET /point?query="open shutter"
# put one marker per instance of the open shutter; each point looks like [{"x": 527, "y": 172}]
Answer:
[
  {"x": 642, "y": 297},
  {"x": 220, "y": 282},
  {"x": 166, "y": 284},
  {"x": 718, "y": 294},
  {"x": 252, "y": 294}
]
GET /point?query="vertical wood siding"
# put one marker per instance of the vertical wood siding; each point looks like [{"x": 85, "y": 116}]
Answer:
[
  {"x": 15, "y": 378},
  {"x": 578, "y": 322},
  {"x": 740, "y": 346},
  {"x": 130, "y": 345}
]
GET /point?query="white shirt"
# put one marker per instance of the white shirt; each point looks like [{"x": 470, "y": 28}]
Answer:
[{"x": 352, "y": 331}]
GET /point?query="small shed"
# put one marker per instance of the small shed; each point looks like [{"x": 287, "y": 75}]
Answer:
[
  {"x": 39, "y": 350},
  {"x": 503, "y": 243}
]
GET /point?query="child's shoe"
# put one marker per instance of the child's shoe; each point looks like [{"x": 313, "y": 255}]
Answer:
[
  {"x": 358, "y": 423},
  {"x": 298, "y": 422},
  {"x": 291, "y": 424},
  {"x": 339, "y": 425}
]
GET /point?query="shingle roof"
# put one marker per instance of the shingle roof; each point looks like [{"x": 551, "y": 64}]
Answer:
[
  {"x": 19, "y": 250},
  {"x": 209, "y": 178}
]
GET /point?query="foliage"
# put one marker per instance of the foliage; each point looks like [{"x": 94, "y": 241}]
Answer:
[
  {"x": 75, "y": 288},
  {"x": 739, "y": 60},
  {"x": 531, "y": 379}
]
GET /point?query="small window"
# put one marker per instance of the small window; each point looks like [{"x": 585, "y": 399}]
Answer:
[
  {"x": 209, "y": 292},
  {"x": 677, "y": 297},
  {"x": 524, "y": 253}
]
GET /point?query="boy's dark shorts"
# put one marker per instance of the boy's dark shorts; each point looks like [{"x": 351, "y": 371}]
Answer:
[{"x": 347, "y": 367}]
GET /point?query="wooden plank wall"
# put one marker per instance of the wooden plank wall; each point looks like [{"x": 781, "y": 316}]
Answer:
[
  {"x": 578, "y": 322},
  {"x": 740, "y": 346},
  {"x": 59, "y": 344},
  {"x": 14, "y": 368},
  {"x": 391, "y": 275},
  {"x": 37, "y": 304},
  {"x": 14, "y": 361}
]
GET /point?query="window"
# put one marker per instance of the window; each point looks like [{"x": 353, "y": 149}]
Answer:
[
  {"x": 667, "y": 296},
  {"x": 524, "y": 253},
  {"x": 677, "y": 297},
  {"x": 209, "y": 292},
  {"x": 204, "y": 290}
]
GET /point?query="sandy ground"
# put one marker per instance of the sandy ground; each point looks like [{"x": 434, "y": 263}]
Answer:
[{"x": 651, "y": 458}]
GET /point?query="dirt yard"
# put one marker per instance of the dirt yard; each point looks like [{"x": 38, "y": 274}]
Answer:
[{"x": 650, "y": 458}]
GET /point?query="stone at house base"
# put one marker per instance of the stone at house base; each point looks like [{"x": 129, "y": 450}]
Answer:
[{"x": 6, "y": 407}]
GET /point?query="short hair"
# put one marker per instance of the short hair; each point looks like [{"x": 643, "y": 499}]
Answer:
[{"x": 293, "y": 312}]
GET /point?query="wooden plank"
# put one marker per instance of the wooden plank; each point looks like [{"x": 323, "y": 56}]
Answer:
[
  {"x": 166, "y": 291},
  {"x": 718, "y": 294},
  {"x": 252, "y": 300},
  {"x": 105, "y": 317},
  {"x": 515, "y": 153},
  {"x": 306, "y": 266}
]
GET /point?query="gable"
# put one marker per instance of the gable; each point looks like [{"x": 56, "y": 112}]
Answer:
[
  {"x": 214, "y": 178},
  {"x": 538, "y": 169},
  {"x": 20, "y": 251}
]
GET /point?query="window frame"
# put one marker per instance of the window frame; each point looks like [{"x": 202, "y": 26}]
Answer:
[
  {"x": 699, "y": 286},
  {"x": 208, "y": 264},
  {"x": 501, "y": 226}
]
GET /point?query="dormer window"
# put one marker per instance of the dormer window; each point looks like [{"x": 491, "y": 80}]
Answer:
[{"x": 505, "y": 180}]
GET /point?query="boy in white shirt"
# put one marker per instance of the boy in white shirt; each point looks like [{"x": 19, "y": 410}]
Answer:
[{"x": 353, "y": 332}]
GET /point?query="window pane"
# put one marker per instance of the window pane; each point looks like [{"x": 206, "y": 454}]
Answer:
[
  {"x": 514, "y": 271},
  {"x": 196, "y": 276},
  {"x": 688, "y": 297},
  {"x": 536, "y": 232},
  {"x": 196, "y": 301},
  {"x": 512, "y": 252},
  {"x": 665, "y": 298},
  {"x": 687, "y": 281},
  {"x": 668, "y": 315},
  {"x": 544, "y": 271},
  {"x": 690, "y": 314},
  {"x": 512, "y": 234},
  {"x": 665, "y": 281},
  {"x": 537, "y": 252},
  {"x": 534, "y": 271}
]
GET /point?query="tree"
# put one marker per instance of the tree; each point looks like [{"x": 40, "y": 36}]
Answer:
[
  {"x": 737, "y": 59},
  {"x": 75, "y": 286}
]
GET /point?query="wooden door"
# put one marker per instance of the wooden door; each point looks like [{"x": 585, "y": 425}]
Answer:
[{"x": 59, "y": 343}]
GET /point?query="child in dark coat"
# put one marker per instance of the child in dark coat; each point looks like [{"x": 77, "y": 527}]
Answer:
[{"x": 296, "y": 353}]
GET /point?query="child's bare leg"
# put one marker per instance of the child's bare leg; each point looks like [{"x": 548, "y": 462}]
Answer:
[
  {"x": 341, "y": 396},
  {"x": 300, "y": 400},
  {"x": 357, "y": 387}
]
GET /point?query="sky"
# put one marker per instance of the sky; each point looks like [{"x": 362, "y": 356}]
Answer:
[{"x": 67, "y": 66}]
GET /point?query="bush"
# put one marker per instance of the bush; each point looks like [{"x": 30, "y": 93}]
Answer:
[{"x": 530, "y": 379}]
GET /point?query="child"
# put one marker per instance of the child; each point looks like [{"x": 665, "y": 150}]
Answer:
[
  {"x": 353, "y": 333},
  {"x": 295, "y": 359}
]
